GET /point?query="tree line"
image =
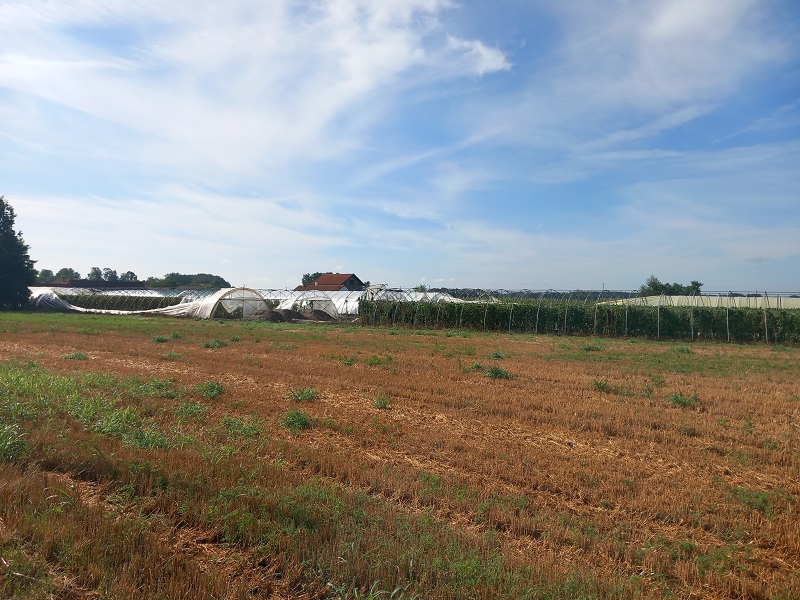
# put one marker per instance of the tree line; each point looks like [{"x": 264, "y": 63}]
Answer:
[{"x": 107, "y": 275}]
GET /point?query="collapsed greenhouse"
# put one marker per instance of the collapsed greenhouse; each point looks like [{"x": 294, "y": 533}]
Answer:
[{"x": 224, "y": 303}]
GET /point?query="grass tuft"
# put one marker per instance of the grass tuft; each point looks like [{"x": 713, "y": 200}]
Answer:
[
  {"x": 209, "y": 389},
  {"x": 75, "y": 356},
  {"x": 238, "y": 428},
  {"x": 11, "y": 443},
  {"x": 215, "y": 343},
  {"x": 495, "y": 372},
  {"x": 190, "y": 409},
  {"x": 296, "y": 420},
  {"x": 602, "y": 386},
  {"x": 679, "y": 400},
  {"x": 305, "y": 394},
  {"x": 381, "y": 401},
  {"x": 376, "y": 361}
]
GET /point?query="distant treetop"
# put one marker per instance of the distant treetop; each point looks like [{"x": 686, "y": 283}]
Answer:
[
  {"x": 654, "y": 287},
  {"x": 201, "y": 280}
]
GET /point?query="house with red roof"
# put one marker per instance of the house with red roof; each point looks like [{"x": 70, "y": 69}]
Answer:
[{"x": 333, "y": 282}]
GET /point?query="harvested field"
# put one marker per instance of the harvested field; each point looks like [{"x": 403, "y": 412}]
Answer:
[{"x": 164, "y": 458}]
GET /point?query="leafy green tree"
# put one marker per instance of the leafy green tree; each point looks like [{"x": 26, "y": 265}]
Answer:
[
  {"x": 693, "y": 287},
  {"x": 654, "y": 287},
  {"x": 45, "y": 276},
  {"x": 67, "y": 273},
  {"x": 17, "y": 272},
  {"x": 200, "y": 280},
  {"x": 95, "y": 274},
  {"x": 128, "y": 276},
  {"x": 110, "y": 275}
]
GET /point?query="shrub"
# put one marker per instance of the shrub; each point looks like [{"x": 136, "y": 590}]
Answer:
[
  {"x": 75, "y": 356},
  {"x": 160, "y": 339}
]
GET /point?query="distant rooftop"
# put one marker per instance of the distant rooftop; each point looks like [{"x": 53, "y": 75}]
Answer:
[{"x": 333, "y": 282}]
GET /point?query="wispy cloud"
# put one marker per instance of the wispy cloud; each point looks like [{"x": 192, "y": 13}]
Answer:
[
  {"x": 236, "y": 87},
  {"x": 786, "y": 116}
]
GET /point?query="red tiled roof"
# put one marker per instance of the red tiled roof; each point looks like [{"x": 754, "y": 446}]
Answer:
[
  {"x": 318, "y": 288},
  {"x": 332, "y": 279},
  {"x": 329, "y": 282}
]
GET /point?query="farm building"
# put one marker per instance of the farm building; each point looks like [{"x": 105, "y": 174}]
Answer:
[{"x": 333, "y": 282}]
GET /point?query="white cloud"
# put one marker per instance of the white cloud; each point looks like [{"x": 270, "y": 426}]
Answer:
[
  {"x": 241, "y": 87},
  {"x": 628, "y": 70},
  {"x": 475, "y": 56}
]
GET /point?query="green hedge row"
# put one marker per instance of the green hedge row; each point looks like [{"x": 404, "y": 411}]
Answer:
[
  {"x": 566, "y": 317},
  {"x": 118, "y": 302}
]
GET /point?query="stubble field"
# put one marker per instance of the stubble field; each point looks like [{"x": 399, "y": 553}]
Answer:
[{"x": 158, "y": 458}]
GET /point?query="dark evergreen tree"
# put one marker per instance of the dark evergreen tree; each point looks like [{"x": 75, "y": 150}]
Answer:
[{"x": 16, "y": 267}]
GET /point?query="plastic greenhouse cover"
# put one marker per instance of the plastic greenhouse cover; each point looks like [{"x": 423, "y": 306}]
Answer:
[{"x": 203, "y": 304}]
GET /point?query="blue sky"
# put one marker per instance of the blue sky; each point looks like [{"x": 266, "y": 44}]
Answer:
[{"x": 509, "y": 144}]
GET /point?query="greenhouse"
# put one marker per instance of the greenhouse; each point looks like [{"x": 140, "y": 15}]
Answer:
[
  {"x": 725, "y": 316},
  {"x": 239, "y": 303}
]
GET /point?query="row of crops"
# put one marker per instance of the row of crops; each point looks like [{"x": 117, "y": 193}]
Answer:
[{"x": 575, "y": 317}]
